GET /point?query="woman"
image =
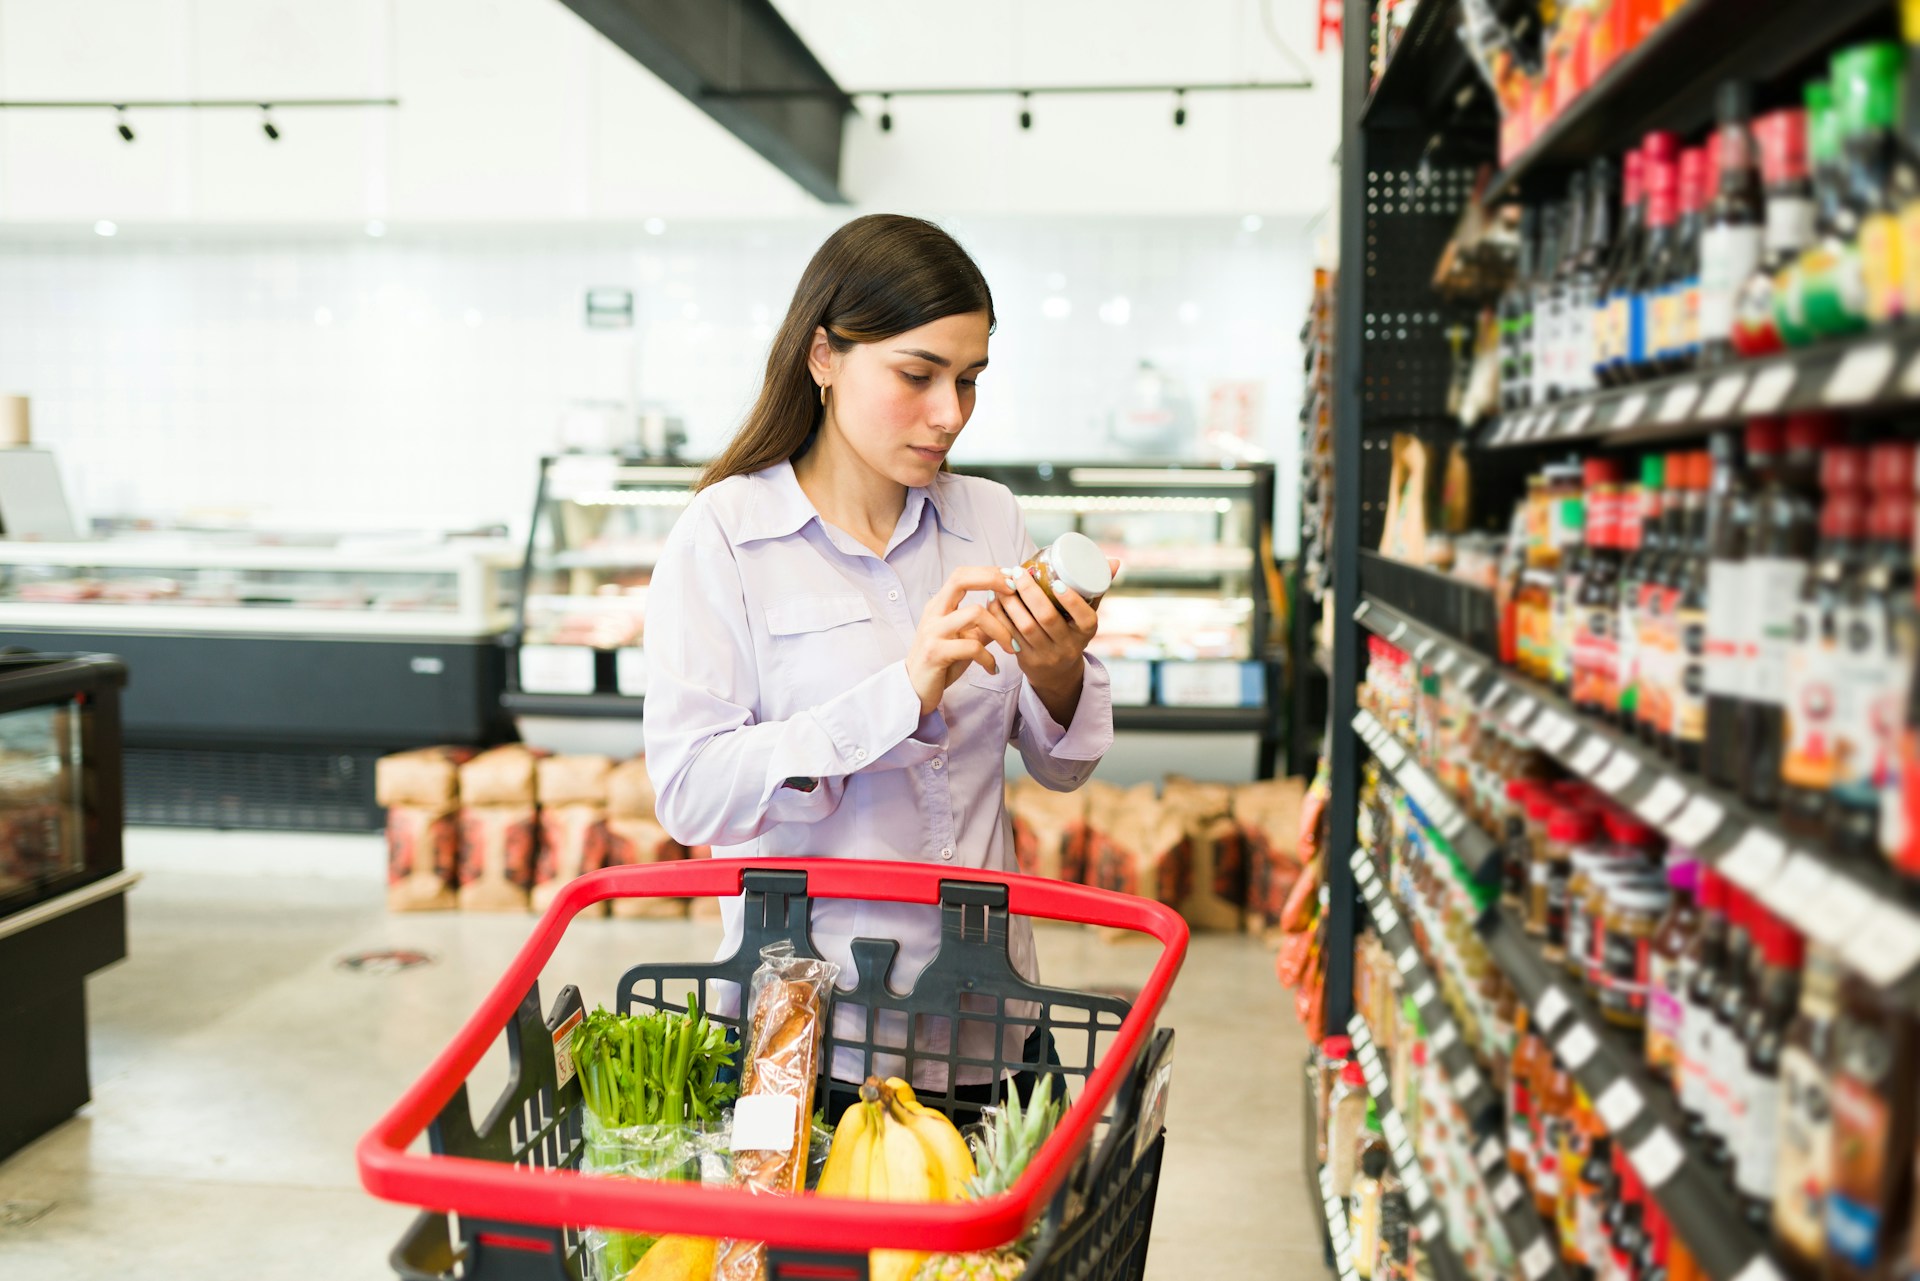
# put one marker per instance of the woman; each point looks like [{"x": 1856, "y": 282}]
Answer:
[{"x": 838, "y": 653}]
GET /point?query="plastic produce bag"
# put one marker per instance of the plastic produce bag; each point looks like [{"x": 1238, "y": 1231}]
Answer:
[{"x": 663, "y": 1152}]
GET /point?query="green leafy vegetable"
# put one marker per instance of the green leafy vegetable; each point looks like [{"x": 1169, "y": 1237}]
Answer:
[{"x": 657, "y": 1068}]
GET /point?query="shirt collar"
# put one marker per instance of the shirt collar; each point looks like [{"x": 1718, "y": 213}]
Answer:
[{"x": 780, "y": 507}]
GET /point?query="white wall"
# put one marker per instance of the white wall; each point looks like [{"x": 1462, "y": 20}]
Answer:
[
  {"x": 517, "y": 110},
  {"x": 417, "y": 378}
]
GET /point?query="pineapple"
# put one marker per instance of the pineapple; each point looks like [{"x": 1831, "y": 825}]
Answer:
[{"x": 1002, "y": 1153}]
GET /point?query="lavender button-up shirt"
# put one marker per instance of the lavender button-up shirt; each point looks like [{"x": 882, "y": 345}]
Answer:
[{"x": 776, "y": 651}]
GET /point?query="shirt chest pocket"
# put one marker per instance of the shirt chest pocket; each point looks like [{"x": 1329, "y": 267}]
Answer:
[{"x": 820, "y": 646}]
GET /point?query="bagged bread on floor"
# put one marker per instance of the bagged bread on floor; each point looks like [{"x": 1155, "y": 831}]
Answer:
[
  {"x": 498, "y": 845},
  {"x": 630, "y": 790},
  {"x": 1049, "y": 830},
  {"x": 1218, "y": 894},
  {"x": 1268, "y": 814},
  {"x": 633, "y": 841},
  {"x": 501, "y": 776},
  {"x": 572, "y": 780},
  {"x": 1138, "y": 845},
  {"x": 428, "y": 778},
  {"x": 773, "y": 1117},
  {"x": 423, "y": 856},
  {"x": 573, "y": 841}
]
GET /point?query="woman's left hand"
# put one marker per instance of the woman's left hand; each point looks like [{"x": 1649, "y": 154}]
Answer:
[{"x": 1053, "y": 647}]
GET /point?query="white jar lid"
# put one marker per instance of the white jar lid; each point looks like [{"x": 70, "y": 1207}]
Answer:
[{"x": 1080, "y": 564}]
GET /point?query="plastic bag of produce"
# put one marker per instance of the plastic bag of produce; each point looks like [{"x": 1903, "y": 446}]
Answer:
[{"x": 663, "y": 1152}]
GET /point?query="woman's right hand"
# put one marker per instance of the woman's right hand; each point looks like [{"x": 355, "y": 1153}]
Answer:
[{"x": 951, "y": 636}]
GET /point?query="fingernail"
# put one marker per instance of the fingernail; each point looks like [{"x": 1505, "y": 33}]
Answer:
[
  {"x": 1016, "y": 644},
  {"x": 1009, "y": 570},
  {"x": 1012, "y": 586}
]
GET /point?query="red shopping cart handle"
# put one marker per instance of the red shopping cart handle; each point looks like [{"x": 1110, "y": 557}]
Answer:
[{"x": 562, "y": 1198}]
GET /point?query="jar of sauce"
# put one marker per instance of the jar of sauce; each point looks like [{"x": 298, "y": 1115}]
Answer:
[
  {"x": 1633, "y": 917},
  {"x": 1074, "y": 561}
]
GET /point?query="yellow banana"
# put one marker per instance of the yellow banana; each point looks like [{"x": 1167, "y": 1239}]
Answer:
[
  {"x": 947, "y": 1154},
  {"x": 894, "y": 1265},
  {"x": 909, "y": 1166},
  {"x": 879, "y": 1168},
  {"x": 835, "y": 1176}
]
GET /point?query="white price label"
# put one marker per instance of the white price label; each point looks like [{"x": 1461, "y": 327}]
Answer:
[
  {"x": 1444, "y": 664},
  {"x": 1399, "y": 630},
  {"x": 1490, "y": 1153},
  {"x": 1358, "y": 1031},
  {"x": 1678, "y": 403},
  {"x": 1619, "y": 773},
  {"x": 630, "y": 672},
  {"x": 563, "y": 1048},
  {"x": 1551, "y": 1008},
  {"x": 1444, "y": 1037},
  {"x": 1619, "y": 1104},
  {"x": 1769, "y": 390},
  {"x": 1802, "y": 880},
  {"x": 1592, "y": 755},
  {"x": 1431, "y": 1226},
  {"x": 1887, "y": 946},
  {"x": 1495, "y": 692},
  {"x": 1423, "y": 995},
  {"x": 1577, "y": 1046},
  {"x": 1577, "y": 419},
  {"x": 1841, "y": 908},
  {"x": 1391, "y": 752},
  {"x": 1360, "y": 610},
  {"x": 1453, "y": 825},
  {"x": 1468, "y": 675},
  {"x": 1520, "y": 712},
  {"x": 1696, "y": 822},
  {"x": 1364, "y": 724},
  {"x": 1658, "y": 1157},
  {"x": 1407, "y": 959},
  {"x": 1629, "y": 411},
  {"x": 1537, "y": 1259},
  {"x": 1466, "y": 1083},
  {"x": 1506, "y": 1193},
  {"x": 1753, "y": 860},
  {"x": 1860, "y": 375},
  {"x": 1424, "y": 648},
  {"x": 1658, "y": 805},
  {"x": 1554, "y": 732},
  {"x": 1722, "y": 396},
  {"x": 765, "y": 1122},
  {"x": 1418, "y": 1195},
  {"x": 1759, "y": 1268}
]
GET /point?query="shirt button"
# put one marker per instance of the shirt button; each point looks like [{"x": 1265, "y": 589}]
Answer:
[
  {"x": 947, "y": 854},
  {"x": 893, "y": 595},
  {"x": 939, "y": 763},
  {"x": 859, "y": 753}
]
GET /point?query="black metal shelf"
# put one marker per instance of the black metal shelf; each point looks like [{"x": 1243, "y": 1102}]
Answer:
[
  {"x": 1435, "y": 806},
  {"x": 1875, "y": 373},
  {"x": 1427, "y": 67},
  {"x": 1637, "y": 1110},
  {"x": 597, "y": 705},
  {"x": 1194, "y": 720},
  {"x": 1668, "y": 80},
  {"x": 1854, "y": 907}
]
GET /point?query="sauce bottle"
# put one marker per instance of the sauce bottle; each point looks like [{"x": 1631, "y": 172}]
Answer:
[
  {"x": 1872, "y": 658},
  {"x": 1617, "y": 290},
  {"x": 1791, "y": 286},
  {"x": 1676, "y": 343},
  {"x": 1732, "y": 996},
  {"x": 1873, "y": 1132},
  {"x": 1688, "y": 622},
  {"x": 1783, "y": 160},
  {"x": 1730, "y": 247},
  {"x": 1515, "y": 319},
  {"x": 1566, "y": 588},
  {"x": 1596, "y": 1177},
  {"x": 1705, "y": 956},
  {"x": 1367, "y": 1197},
  {"x": 1646, "y": 544},
  {"x": 1556, "y": 1115},
  {"x": 1666, "y": 974},
  {"x": 1658, "y": 663},
  {"x": 1590, "y": 279},
  {"x": 1596, "y": 659},
  {"x": 1731, "y": 635},
  {"x": 1777, "y": 1000},
  {"x": 1779, "y": 557},
  {"x": 1807, "y": 730},
  {"x": 1867, "y": 79},
  {"x": 1804, "y": 1162},
  {"x": 1833, "y": 290},
  {"x": 1568, "y": 828},
  {"x": 1659, "y": 260}
]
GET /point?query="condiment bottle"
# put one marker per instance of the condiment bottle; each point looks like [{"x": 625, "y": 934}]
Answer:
[
  {"x": 1666, "y": 974},
  {"x": 1073, "y": 561},
  {"x": 1732, "y": 997},
  {"x": 1807, "y": 764},
  {"x": 1659, "y": 600},
  {"x": 1779, "y": 558},
  {"x": 1834, "y": 293},
  {"x": 1612, "y": 369},
  {"x": 1596, "y": 660},
  {"x": 1791, "y": 286},
  {"x": 1867, "y": 78},
  {"x": 1873, "y": 1133},
  {"x": 1702, "y": 962},
  {"x": 1367, "y": 1196},
  {"x": 1730, "y": 247},
  {"x": 1348, "y": 1117},
  {"x": 1756, "y": 1143},
  {"x": 1803, "y": 1165},
  {"x": 1634, "y": 909},
  {"x": 1646, "y": 546},
  {"x": 1660, "y": 264},
  {"x": 1596, "y": 1177},
  {"x": 1732, "y": 634},
  {"x": 1556, "y": 1115},
  {"x": 1567, "y": 829},
  {"x": 1675, "y": 341},
  {"x": 1789, "y": 205},
  {"x": 1516, "y": 860},
  {"x": 1688, "y": 622},
  {"x": 1541, "y": 807}
]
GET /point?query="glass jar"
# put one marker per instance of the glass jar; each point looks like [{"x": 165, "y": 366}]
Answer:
[
  {"x": 1517, "y": 843},
  {"x": 1666, "y": 975},
  {"x": 1074, "y": 561},
  {"x": 1634, "y": 909},
  {"x": 1568, "y": 829},
  {"x": 1541, "y": 807}
]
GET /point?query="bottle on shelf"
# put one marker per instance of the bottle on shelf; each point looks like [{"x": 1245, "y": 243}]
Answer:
[
  {"x": 1623, "y": 269},
  {"x": 1646, "y": 548},
  {"x": 1782, "y": 136},
  {"x": 1867, "y": 79},
  {"x": 1906, "y": 180},
  {"x": 1732, "y": 639},
  {"x": 1779, "y": 557},
  {"x": 1730, "y": 246},
  {"x": 1567, "y": 585},
  {"x": 1546, "y": 307},
  {"x": 1776, "y": 1000},
  {"x": 1803, "y": 1164},
  {"x": 1589, "y": 280},
  {"x": 1831, "y": 290},
  {"x": 1596, "y": 658},
  {"x": 1701, "y": 964},
  {"x": 1873, "y": 635},
  {"x": 1569, "y": 332},
  {"x": 1368, "y": 1194},
  {"x": 1732, "y": 998},
  {"x": 1873, "y": 1133},
  {"x": 1687, "y": 613},
  {"x": 1667, "y": 972},
  {"x": 1808, "y": 729},
  {"x": 1659, "y": 648},
  {"x": 1516, "y": 320},
  {"x": 1675, "y": 341},
  {"x": 1660, "y": 265}
]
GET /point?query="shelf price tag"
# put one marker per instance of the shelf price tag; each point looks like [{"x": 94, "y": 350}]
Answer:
[
  {"x": 1468, "y": 675},
  {"x": 1496, "y": 691},
  {"x": 1753, "y": 860},
  {"x": 1629, "y": 412},
  {"x": 1860, "y": 375},
  {"x": 1466, "y": 1083},
  {"x": 1424, "y": 648},
  {"x": 1619, "y": 773},
  {"x": 1407, "y": 959},
  {"x": 1722, "y": 396},
  {"x": 1577, "y": 419},
  {"x": 1577, "y": 1046},
  {"x": 1554, "y": 732},
  {"x": 1444, "y": 1037},
  {"x": 1887, "y": 946},
  {"x": 1506, "y": 1194},
  {"x": 1551, "y": 1008},
  {"x": 1521, "y": 712},
  {"x": 1658, "y": 1157},
  {"x": 1592, "y": 755},
  {"x": 1658, "y": 805},
  {"x": 1360, "y": 610},
  {"x": 1537, "y": 1259},
  {"x": 1759, "y": 1268},
  {"x": 1490, "y": 1154},
  {"x": 1696, "y": 822},
  {"x": 1399, "y": 630},
  {"x": 1839, "y": 911},
  {"x": 1444, "y": 664},
  {"x": 1423, "y": 995},
  {"x": 1678, "y": 403},
  {"x": 1431, "y": 1227},
  {"x": 1619, "y": 1104},
  {"x": 1802, "y": 880},
  {"x": 1769, "y": 390}
]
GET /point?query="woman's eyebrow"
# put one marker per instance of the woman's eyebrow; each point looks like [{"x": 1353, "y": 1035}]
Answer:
[{"x": 941, "y": 361}]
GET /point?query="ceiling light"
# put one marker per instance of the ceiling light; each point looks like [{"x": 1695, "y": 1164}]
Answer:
[
  {"x": 1252, "y": 223},
  {"x": 106, "y": 228},
  {"x": 1026, "y": 110},
  {"x": 266, "y": 123},
  {"x": 121, "y": 126},
  {"x": 1179, "y": 108},
  {"x": 655, "y": 226},
  {"x": 1056, "y": 307},
  {"x": 886, "y": 113},
  {"x": 376, "y": 228}
]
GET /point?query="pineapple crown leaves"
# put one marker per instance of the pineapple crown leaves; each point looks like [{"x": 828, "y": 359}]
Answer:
[{"x": 1005, "y": 1150}]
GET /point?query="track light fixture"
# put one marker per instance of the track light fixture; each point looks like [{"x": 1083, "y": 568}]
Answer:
[
  {"x": 1026, "y": 110},
  {"x": 266, "y": 122},
  {"x": 1179, "y": 108},
  {"x": 121, "y": 126},
  {"x": 886, "y": 113}
]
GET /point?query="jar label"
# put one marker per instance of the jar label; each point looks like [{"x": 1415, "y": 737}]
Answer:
[
  {"x": 1810, "y": 702},
  {"x": 1803, "y": 1162},
  {"x": 1728, "y": 613},
  {"x": 1665, "y": 1012},
  {"x": 1728, "y": 255}
]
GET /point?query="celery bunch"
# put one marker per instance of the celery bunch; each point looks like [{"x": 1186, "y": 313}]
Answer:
[{"x": 657, "y": 1068}]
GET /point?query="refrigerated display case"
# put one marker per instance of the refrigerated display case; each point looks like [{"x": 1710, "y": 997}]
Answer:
[
  {"x": 1185, "y": 630},
  {"x": 272, "y": 671}
]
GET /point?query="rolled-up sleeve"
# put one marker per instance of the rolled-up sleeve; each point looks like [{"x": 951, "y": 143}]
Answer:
[{"x": 718, "y": 771}]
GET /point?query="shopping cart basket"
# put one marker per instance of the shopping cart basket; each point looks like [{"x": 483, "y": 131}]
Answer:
[{"x": 503, "y": 1197}]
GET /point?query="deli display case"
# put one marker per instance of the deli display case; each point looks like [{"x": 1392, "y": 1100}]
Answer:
[
  {"x": 274, "y": 669},
  {"x": 1185, "y": 631}
]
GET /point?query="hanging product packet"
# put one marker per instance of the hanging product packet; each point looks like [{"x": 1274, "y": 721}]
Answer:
[{"x": 773, "y": 1117}]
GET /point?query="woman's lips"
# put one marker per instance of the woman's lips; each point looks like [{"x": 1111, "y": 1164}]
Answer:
[{"x": 929, "y": 452}]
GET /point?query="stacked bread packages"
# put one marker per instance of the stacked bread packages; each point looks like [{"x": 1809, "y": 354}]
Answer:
[
  {"x": 634, "y": 835},
  {"x": 1136, "y": 844},
  {"x": 1269, "y": 815},
  {"x": 1216, "y": 895},
  {"x": 1049, "y": 830},
  {"x": 573, "y": 823},
  {"x": 421, "y": 793},
  {"x": 499, "y": 829}
]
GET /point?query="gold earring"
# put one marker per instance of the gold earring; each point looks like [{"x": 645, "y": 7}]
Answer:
[{"x": 823, "y": 395}]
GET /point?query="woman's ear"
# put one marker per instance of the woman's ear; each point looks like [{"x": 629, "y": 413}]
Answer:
[{"x": 820, "y": 357}]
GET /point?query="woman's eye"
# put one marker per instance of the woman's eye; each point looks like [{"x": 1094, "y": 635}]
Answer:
[
  {"x": 915, "y": 378},
  {"x": 969, "y": 383}
]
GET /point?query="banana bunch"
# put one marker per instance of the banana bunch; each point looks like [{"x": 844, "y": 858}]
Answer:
[{"x": 891, "y": 1147}]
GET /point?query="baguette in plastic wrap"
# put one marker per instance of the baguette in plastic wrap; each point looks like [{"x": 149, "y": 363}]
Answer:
[{"x": 786, "y": 1020}]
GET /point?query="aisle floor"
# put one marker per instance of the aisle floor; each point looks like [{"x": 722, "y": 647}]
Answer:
[{"x": 235, "y": 1064}]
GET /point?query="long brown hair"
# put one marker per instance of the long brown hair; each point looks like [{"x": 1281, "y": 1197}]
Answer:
[{"x": 875, "y": 277}]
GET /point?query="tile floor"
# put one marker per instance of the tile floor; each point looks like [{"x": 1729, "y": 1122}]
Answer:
[{"x": 235, "y": 1065}]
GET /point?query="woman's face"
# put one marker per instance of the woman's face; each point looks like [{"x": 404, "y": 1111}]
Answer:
[{"x": 900, "y": 403}]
